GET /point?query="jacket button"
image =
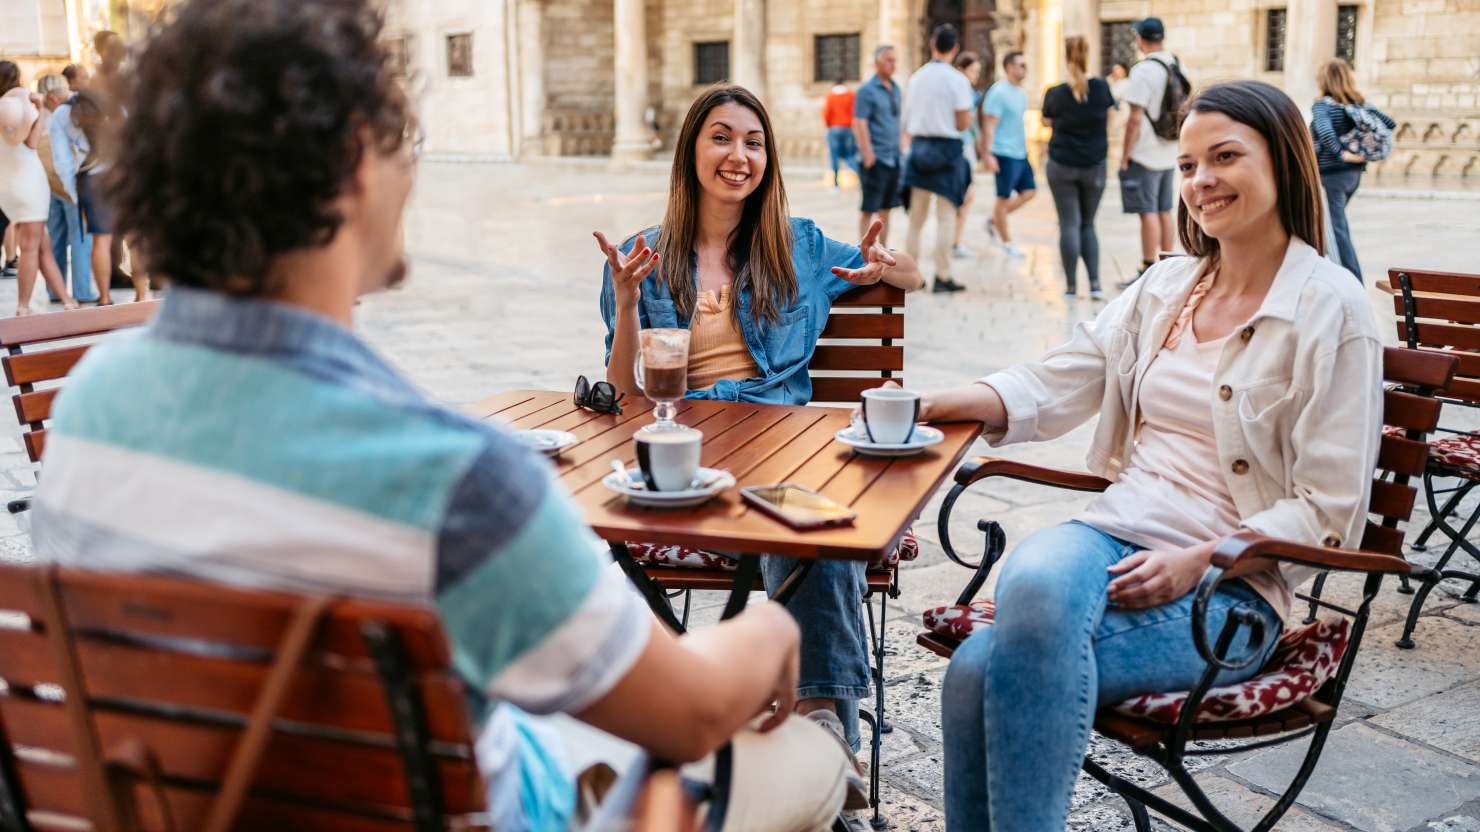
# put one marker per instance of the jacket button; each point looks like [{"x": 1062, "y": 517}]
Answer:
[
  {"x": 1331, "y": 542},
  {"x": 1246, "y": 334},
  {"x": 1240, "y": 466},
  {"x": 1225, "y": 392}
]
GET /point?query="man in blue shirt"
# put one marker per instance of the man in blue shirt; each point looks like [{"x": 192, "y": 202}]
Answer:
[
  {"x": 876, "y": 129},
  {"x": 1003, "y": 131}
]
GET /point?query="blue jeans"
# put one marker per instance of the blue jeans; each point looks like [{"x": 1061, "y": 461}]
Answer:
[
  {"x": 828, "y": 608},
  {"x": 64, "y": 225},
  {"x": 1341, "y": 186},
  {"x": 841, "y": 149},
  {"x": 1020, "y": 697}
]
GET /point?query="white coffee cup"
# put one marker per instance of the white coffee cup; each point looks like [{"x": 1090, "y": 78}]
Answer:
[
  {"x": 889, "y": 415},
  {"x": 668, "y": 459}
]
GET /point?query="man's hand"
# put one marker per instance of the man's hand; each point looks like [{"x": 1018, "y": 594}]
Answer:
[
  {"x": 989, "y": 162},
  {"x": 1353, "y": 158},
  {"x": 868, "y": 160},
  {"x": 876, "y": 259},
  {"x": 785, "y": 694},
  {"x": 1158, "y": 576},
  {"x": 628, "y": 271}
]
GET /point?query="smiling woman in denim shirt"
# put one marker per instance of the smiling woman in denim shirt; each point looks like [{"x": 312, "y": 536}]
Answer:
[{"x": 755, "y": 286}]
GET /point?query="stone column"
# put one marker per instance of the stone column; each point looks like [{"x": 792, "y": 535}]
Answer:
[
  {"x": 631, "y": 77},
  {"x": 531, "y": 44},
  {"x": 748, "y": 48},
  {"x": 897, "y": 30},
  {"x": 1310, "y": 40}
]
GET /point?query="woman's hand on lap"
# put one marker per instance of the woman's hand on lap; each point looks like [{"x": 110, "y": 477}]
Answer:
[
  {"x": 1154, "y": 577},
  {"x": 876, "y": 259},
  {"x": 629, "y": 270}
]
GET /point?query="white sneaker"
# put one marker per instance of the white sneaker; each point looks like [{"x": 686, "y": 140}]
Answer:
[
  {"x": 961, "y": 252},
  {"x": 1013, "y": 251}
]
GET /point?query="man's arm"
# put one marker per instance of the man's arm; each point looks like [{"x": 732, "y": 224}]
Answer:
[
  {"x": 865, "y": 142},
  {"x": 1132, "y": 132},
  {"x": 686, "y": 696},
  {"x": 963, "y": 119},
  {"x": 63, "y": 161},
  {"x": 989, "y": 131}
]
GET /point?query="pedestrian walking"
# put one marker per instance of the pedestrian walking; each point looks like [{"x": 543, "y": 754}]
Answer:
[
  {"x": 1348, "y": 133},
  {"x": 1079, "y": 113},
  {"x": 24, "y": 195},
  {"x": 971, "y": 144},
  {"x": 70, "y": 245},
  {"x": 1002, "y": 119},
  {"x": 1155, "y": 94},
  {"x": 937, "y": 108},
  {"x": 837, "y": 114},
  {"x": 876, "y": 108}
]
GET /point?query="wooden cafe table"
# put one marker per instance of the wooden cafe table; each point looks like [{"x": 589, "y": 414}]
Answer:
[{"x": 760, "y": 445}]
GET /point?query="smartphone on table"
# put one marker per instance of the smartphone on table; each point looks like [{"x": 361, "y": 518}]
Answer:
[{"x": 798, "y": 507}]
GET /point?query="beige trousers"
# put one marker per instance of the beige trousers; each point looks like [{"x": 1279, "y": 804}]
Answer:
[{"x": 921, "y": 201}]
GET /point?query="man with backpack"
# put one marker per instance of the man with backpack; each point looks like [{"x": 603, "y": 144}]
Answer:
[{"x": 1156, "y": 92}]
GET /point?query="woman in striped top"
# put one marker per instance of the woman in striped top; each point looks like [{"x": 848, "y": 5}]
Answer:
[{"x": 1341, "y": 170}]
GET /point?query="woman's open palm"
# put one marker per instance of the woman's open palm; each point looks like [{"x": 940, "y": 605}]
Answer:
[
  {"x": 876, "y": 259},
  {"x": 628, "y": 270}
]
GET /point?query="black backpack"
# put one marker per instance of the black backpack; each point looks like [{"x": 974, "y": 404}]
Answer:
[{"x": 1172, "y": 98}]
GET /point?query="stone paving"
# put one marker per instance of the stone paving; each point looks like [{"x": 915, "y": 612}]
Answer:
[{"x": 503, "y": 294}]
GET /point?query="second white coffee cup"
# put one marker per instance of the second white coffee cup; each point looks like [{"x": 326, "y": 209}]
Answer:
[
  {"x": 889, "y": 414},
  {"x": 668, "y": 459}
]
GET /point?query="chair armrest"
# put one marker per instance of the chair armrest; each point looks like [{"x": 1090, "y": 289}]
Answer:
[
  {"x": 1240, "y": 553},
  {"x": 991, "y": 466}
]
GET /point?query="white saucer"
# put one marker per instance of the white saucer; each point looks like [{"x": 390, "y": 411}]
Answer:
[
  {"x": 924, "y": 436},
  {"x": 637, "y": 494},
  {"x": 547, "y": 442}
]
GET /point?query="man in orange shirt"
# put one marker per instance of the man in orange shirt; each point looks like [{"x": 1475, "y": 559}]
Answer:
[{"x": 837, "y": 114}]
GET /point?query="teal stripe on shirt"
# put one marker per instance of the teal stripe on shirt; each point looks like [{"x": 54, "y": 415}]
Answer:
[
  {"x": 551, "y": 564},
  {"x": 257, "y": 419}
]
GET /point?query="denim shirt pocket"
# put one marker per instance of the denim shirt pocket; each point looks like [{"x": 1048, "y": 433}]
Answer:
[
  {"x": 659, "y": 313},
  {"x": 789, "y": 339}
]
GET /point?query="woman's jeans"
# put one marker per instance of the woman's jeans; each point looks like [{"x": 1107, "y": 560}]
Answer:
[
  {"x": 841, "y": 149},
  {"x": 1341, "y": 186},
  {"x": 828, "y": 608},
  {"x": 1020, "y": 696},
  {"x": 1076, "y": 197}
]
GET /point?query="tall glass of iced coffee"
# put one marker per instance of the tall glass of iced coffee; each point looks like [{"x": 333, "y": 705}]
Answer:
[{"x": 662, "y": 370}]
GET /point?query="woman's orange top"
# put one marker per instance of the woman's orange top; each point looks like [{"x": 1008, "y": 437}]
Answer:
[{"x": 716, "y": 346}]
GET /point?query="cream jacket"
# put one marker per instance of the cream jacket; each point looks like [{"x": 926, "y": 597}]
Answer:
[{"x": 1297, "y": 397}]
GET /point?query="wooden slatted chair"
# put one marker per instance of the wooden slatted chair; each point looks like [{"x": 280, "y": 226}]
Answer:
[
  {"x": 1440, "y": 311},
  {"x": 858, "y": 350},
  {"x": 152, "y": 704},
  {"x": 1313, "y": 661},
  {"x": 32, "y": 357}
]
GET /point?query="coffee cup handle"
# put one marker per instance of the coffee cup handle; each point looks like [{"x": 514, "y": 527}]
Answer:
[
  {"x": 914, "y": 420},
  {"x": 645, "y": 465},
  {"x": 863, "y": 417}
]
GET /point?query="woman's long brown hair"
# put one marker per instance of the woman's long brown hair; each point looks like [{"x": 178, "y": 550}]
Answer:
[
  {"x": 1297, "y": 179},
  {"x": 1336, "y": 81},
  {"x": 760, "y": 247},
  {"x": 1076, "y": 61}
]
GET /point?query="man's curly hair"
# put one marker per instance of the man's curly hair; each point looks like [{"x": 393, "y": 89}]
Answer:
[{"x": 245, "y": 120}]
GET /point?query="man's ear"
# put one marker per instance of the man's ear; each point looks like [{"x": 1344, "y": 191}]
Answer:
[{"x": 362, "y": 179}]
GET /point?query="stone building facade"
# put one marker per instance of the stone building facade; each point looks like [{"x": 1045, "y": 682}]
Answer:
[{"x": 500, "y": 79}]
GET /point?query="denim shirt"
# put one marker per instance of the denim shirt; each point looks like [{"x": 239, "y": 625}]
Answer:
[{"x": 781, "y": 348}]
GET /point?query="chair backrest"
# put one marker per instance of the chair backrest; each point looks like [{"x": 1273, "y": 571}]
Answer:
[
  {"x": 860, "y": 346},
  {"x": 1441, "y": 311},
  {"x": 1410, "y": 405},
  {"x": 159, "y": 678},
  {"x": 46, "y": 362}
]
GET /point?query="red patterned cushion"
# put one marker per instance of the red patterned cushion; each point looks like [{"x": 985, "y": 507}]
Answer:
[
  {"x": 957, "y": 621},
  {"x": 667, "y": 554},
  {"x": 1304, "y": 660},
  {"x": 1460, "y": 450}
]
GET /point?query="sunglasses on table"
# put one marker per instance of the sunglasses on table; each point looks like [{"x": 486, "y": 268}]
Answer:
[{"x": 601, "y": 397}]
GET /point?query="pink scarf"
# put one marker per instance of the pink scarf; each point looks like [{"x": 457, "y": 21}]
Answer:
[{"x": 1184, "y": 318}]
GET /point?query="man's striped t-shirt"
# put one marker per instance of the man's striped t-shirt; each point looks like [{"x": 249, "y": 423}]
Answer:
[{"x": 261, "y": 445}]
